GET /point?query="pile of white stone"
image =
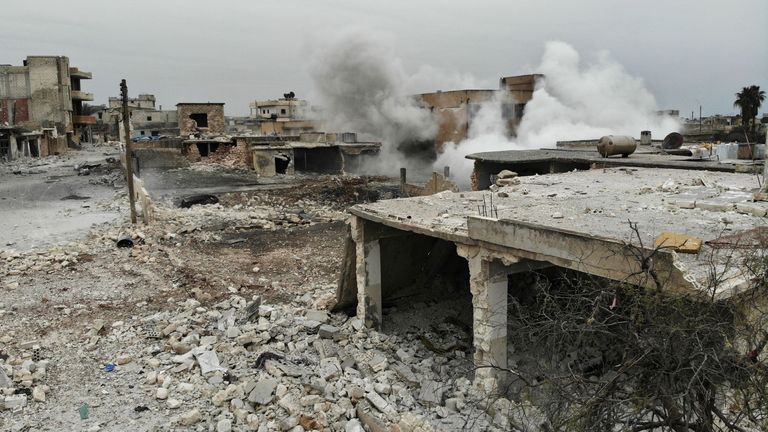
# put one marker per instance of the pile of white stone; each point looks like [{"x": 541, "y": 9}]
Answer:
[
  {"x": 242, "y": 216},
  {"x": 21, "y": 375},
  {"x": 15, "y": 263},
  {"x": 244, "y": 365}
]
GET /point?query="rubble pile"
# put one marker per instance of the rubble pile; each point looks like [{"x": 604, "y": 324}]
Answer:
[
  {"x": 245, "y": 365},
  {"x": 15, "y": 263},
  {"x": 21, "y": 375},
  {"x": 217, "y": 217}
]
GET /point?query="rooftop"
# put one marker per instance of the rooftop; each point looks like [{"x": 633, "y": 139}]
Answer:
[
  {"x": 581, "y": 220},
  {"x": 641, "y": 158},
  {"x": 200, "y": 103}
]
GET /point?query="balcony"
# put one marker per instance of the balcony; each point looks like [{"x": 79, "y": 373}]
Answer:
[
  {"x": 83, "y": 120},
  {"x": 77, "y": 73},
  {"x": 81, "y": 95}
]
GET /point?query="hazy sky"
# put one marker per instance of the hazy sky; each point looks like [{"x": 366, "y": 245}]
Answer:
[{"x": 689, "y": 52}]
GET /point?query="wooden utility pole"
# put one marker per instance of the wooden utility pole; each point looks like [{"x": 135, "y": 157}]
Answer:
[{"x": 128, "y": 150}]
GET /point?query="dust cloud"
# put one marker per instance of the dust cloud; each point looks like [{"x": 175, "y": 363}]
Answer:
[{"x": 574, "y": 101}]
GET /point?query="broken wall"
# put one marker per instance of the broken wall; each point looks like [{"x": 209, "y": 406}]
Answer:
[{"x": 214, "y": 112}]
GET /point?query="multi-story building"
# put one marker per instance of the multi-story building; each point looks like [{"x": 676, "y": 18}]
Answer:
[{"x": 41, "y": 107}]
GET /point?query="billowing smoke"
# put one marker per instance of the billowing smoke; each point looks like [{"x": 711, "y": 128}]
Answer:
[
  {"x": 572, "y": 102},
  {"x": 363, "y": 87}
]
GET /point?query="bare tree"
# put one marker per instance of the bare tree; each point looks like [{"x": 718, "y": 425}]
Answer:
[{"x": 599, "y": 355}]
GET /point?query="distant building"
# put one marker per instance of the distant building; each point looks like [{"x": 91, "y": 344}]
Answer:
[
  {"x": 41, "y": 107},
  {"x": 456, "y": 109},
  {"x": 147, "y": 119},
  {"x": 279, "y": 109},
  {"x": 201, "y": 118},
  {"x": 142, "y": 101}
]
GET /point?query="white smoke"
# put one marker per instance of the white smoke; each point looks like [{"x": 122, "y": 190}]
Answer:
[
  {"x": 363, "y": 87},
  {"x": 572, "y": 102}
]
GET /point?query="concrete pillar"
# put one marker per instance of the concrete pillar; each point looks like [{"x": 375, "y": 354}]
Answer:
[
  {"x": 368, "y": 256},
  {"x": 488, "y": 284}
]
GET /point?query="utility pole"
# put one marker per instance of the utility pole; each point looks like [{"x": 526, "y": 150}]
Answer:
[
  {"x": 699, "y": 119},
  {"x": 128, "y": 150}
]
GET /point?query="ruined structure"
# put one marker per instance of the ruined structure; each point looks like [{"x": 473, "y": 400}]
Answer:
[
  {"x": 476, "y": 244},
  {"x": 315, "y": 152},
  {"x": 201, "y": 118},
  {"x": 583, "y": 155},
  {"x": 455, "y": 109},
  {"x": 41, "y": 107}
]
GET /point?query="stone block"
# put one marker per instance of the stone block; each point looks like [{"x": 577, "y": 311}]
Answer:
[{"x": 263, "y": 391}]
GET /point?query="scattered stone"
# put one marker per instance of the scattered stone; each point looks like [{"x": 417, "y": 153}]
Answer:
[
  {"x": 191, "y": 417},
  {"x": 263, "y": 391},
  {"x": 431, "y": 393},
  {"x": 161, "y": 393},
  {"x": 505, "y": 174},
  {"x": 317, "y": 315},
  {"x": 353, "y": 425},
  {"x": 224, "y": 425},
  {"x": 329, "y": 332},
  {"x": 38, "y": 394}
]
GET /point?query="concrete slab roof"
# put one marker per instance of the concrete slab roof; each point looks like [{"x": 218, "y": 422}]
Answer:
[
  {"x": 200, "y": 103},
  {"x": 581, "y": 220},
  {"x": 641, "y": 158}
]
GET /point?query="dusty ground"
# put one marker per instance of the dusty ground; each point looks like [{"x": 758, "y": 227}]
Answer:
[
  {"x": 89, "y": 305},
  {"x": 45, "y": 202}
]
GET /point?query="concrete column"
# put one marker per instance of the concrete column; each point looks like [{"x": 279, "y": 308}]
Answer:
[
  {"x": 368, "y": 256},
  {"x": 488, "y": 284}
]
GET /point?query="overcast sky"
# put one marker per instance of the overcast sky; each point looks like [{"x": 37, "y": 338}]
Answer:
[{"x": 689, "y": 52}]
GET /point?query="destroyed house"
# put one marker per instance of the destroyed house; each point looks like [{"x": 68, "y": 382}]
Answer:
[
  {"x": 313, "y": 152},
  {"x": 479, "y": 246},
  {"x": 201, "y": 118}
]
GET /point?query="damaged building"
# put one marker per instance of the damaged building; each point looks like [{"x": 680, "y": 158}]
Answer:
[
  {"x": 201, "y": 118},
  {"x": 315, "y": 152},
  {"x": 670, "y": 153},
  {"x": 479, "y": 247},
  {"x": 455, "y": 110},
  {"x": 41, "y": 107}
]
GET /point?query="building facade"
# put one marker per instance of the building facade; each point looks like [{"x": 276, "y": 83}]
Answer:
[
  {"x": 147, "y": 119},
  {"x": 279, "y": 109},
  {"x": 201, "y": 118},
  {"x": 42, "y": 107}
]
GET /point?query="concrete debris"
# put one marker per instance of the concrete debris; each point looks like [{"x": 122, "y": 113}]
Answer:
[
  {"x": 263, "y": 391},
  {"x": 219, "y": 316}
]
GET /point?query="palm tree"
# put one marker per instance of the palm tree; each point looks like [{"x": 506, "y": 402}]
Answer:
[{"x": 749, "y": 100}]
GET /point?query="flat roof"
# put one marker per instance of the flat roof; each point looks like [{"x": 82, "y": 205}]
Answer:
[
  {"x": 571, "y": 219},
  {"x": 642, "y": 158},
  {"x": 200, "y": 103}
]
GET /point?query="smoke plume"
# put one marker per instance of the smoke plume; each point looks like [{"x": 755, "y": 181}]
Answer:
[
  {"x": 363, "y": 87},
  {"x": 572, "y": 102}
]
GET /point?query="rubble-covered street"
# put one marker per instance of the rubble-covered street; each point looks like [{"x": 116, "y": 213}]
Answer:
[{"x": 217, "y": 319}]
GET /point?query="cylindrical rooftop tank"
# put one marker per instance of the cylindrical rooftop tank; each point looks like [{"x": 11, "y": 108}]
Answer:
[
  {"x": 672, "y": 141},
  {"x": 610, "y": 145}
]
